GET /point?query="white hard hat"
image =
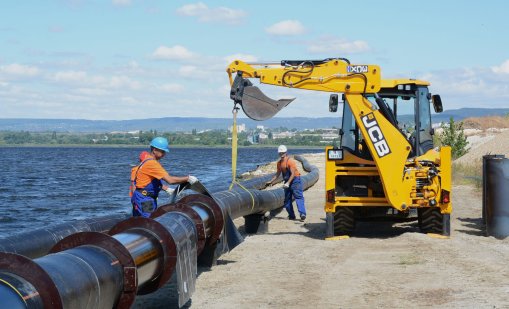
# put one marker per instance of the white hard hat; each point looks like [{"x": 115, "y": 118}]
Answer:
[{"x": 281, "y": 149}]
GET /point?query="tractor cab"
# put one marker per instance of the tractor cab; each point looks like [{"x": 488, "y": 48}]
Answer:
[{"x": 406, "y": 104}]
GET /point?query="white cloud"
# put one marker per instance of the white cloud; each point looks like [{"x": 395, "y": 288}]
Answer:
[
  {"x": 243, "y": 57},
  {"x": 286, "y": 27},
  {"x": 212, "y": 73},
  {"x": 188, "y": 70},
  {"x": 176, "y": 52},
  {"x": 171, "y": 88},
  {"x": 94, "y": 92},
  {"x": 129, "y": 100},
  {"x": 19, "y": 70},
  {"x": 206, "y": 14},
  {"x": 195, "y": 9},
  {"x": 333, "y": 45},
  {"x": 502, "y": 69},
  {"x": 470, "y": 87},
  {"x": 84, "y": 79},
  {"x": 122, "y": 82},
  {"x": 121, "y": 2},
  {"x": 70, "y": 76}
]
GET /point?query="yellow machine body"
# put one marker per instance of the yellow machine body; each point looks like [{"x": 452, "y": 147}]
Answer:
[{"x": 385, "y": 170}]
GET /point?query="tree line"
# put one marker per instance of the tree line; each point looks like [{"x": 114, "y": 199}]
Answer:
[
  {"x": 452, "y": 135},
  {"x": 207, "y": 138}
]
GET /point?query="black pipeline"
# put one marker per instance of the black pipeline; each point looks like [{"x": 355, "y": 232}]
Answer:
[
  {"x": 138, "y": 255},
  {"x": 36, "y": 243}
]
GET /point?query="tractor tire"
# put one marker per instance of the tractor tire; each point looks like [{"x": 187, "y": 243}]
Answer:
[
  {"x": 432, "y": 221},
  {"x": 344, "y": 221}
]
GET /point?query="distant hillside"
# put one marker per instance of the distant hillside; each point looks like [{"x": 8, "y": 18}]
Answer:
[
  {"x": 172, "y": 124},
  {"x": 168, "y": 124},
  {"x": 460, "y": 114}
]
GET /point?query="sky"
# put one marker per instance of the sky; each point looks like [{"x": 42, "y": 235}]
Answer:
[{"x": 137, "y": 59}]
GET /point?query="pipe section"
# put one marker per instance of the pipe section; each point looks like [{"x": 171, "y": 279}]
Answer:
[
  {"x": 496, "y": 195},
  {"x": 36, "y": 243},
  {"x": 139, "y": 255}
]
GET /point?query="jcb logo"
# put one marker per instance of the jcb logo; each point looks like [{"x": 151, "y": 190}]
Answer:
[
  {"x": 375, "y": 135},
  {"x": 357, "y": 69}
]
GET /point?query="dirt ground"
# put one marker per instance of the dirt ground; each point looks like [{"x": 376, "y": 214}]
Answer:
[
  {"x": 487, "y": 142},
  {"x": 382, "y": 266}
]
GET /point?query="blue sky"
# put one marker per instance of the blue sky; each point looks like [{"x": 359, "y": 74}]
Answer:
[{"x": 130, "y": 59}]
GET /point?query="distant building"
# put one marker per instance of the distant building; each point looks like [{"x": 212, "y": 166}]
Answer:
[
  {"x": 330, "y": 134},
  {"x": 261, "y": 128},
  {"x": 253, "y": 138},
  {"x": 283, "y": 135},
  {"x": 240, "y": 128},
  {"x": 104, "y": 139}
]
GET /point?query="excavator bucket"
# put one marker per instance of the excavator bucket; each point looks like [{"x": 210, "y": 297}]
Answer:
[{"x": 255, "y": 104}]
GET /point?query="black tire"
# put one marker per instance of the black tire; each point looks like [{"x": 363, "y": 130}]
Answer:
[
  {"x": 432, "y": 221},
  {"x": 344, "y": 221}
]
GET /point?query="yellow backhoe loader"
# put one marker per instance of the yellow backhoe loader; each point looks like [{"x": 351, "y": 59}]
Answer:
[{"x": 386, "y": 163}]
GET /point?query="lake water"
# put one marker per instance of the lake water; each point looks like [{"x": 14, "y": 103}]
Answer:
[{"x": 43, "y": 186}]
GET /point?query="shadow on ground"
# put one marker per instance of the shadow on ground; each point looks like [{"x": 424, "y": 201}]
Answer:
[
  {"x": 363, "y": 229},
  {"x": 167, "y": 296},
  {"x": 475, "y": 226}
]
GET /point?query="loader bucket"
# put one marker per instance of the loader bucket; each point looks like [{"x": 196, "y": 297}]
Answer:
[
  {"x": 258, "y": 106},
  {"x": 255, "y": 104}
]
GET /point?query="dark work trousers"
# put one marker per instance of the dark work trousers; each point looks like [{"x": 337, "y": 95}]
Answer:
[{"x": 295, "y": 191}]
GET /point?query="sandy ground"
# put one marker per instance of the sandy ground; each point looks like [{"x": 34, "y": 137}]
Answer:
[
  {"x": 382, "y": 266},
  {"x": 489, "y": 142}
]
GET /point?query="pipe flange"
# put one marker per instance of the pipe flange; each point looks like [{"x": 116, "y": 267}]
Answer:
[
  {"x": 34, "y": 274},
  {"x": 114, "y": 247},
  {"x": 213, "y": 207},
  {"x": 183, "y": 208},
  {"x": 164, "y": 238}
]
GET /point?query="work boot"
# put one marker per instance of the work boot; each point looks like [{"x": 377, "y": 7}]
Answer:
[
  {"x": 302, "y": 218},
  {"x": 291, "y": 218}
]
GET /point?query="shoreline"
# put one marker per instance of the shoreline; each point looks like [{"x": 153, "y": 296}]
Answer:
[{"x": 145, "y": 146}]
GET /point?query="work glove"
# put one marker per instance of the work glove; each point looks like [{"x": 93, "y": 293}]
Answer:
[
  {"x": 286, "y": 185},
  {"x": 192, "y": 179},
  {"x": 169, "y": 191}
]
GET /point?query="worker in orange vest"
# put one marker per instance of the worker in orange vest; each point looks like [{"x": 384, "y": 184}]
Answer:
[
  {"x": 146, "y": 179},
  {"x": 292, "y": 183}
]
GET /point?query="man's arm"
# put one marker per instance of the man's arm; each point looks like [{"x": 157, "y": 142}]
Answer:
[
  {"x": 271, "y": 182},
  {"x": 175, "y": 179}
]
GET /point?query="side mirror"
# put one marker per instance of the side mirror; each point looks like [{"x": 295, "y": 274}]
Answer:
[
  {"x": 333, "y": 103},
  {"x": 437, "y": 103}
]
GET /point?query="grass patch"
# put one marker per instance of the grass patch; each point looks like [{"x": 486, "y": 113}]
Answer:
[
  {"x": 410, "y": 260},
  {"x": 467, "y": 174}
]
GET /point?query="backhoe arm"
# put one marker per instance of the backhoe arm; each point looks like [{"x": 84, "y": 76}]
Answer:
[
  {"x": 330, "y": 75},
  {"x": 389, "y": 148}
]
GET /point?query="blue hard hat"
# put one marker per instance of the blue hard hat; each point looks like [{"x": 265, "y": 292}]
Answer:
[{"x": 160, "y": 143}]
